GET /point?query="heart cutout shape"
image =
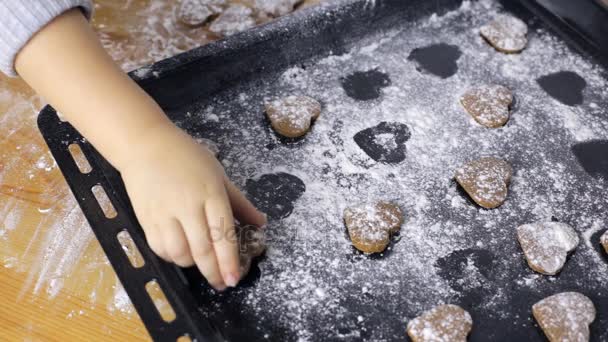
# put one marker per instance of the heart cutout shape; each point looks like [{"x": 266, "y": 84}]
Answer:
[
  {"x": 275, "y": 194},
  {"x": 371, "y": 226},
  {"x": 252, "y": 244},
  {"x": 385, "y": 142},
  {"x": 565, "y": 86},
  {"x": 587, "y": 153},
  {"x": 565, "y": 316},
  {"x": 365, "y": 85},
  {"x": 506, "y": 34},
  {"x": 546, "y": 245},
  {"x": 455, "y": 269},
  {"x": 437, "y": 59},
  {"x": 604, "y": 241},
  {"x": 442, "y": 323},
  {"x": 488, "y": 105},
  {"x": 293, "y": 115},
  {"x": 486, "y": 180}
]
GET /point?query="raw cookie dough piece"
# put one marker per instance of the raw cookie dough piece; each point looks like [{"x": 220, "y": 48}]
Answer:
[
  {"x": 252, "y": 244},
  {"x": 443, "y": 323},
  {"x": 604, "y": 241},
  {"x": 198, "y": 12},
  {"x": 210, "y": 145},
  {"x": 486, "y": 180},
  {"x": 546, "y": 245},
  {"x": 488, "y": 105},
  {"x": 506, "y": 34},
  {"x": 370, "y": 227},
  {"x": 292, "y": 116},
  {"x": 235, "y": 18},
  {"x": 565, "y": 316}
]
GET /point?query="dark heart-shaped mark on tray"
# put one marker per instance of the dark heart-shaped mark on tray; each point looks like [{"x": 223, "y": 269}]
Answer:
[
  {"x": 385, "y": 142},
  {"x": 593, "y": 157},
  {"x": 461, "y": 265},
  {"x": 438, "y": 59},
  {"x": 275, "y": 194},
  {"x": 564, "y": 86},
  {"x": 365, "y": 85}
]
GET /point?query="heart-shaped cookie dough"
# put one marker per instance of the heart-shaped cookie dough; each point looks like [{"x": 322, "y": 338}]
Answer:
[
  {"x": 565, "y": 316},
  {"x": 252, "y": 244},
  {"x": 546, "y": 245},
  {"x": 371, "y": 226},
  {"x": 442, "y": 323},
  {"x": 506, "y": 34},
  {"x": 486, "y": 180},
  {"x": 488, "y": 105},
  {"x": 604, "y": 241},
  {"x": 292, "y": 116},
  {"x": 197, "y": 12}
]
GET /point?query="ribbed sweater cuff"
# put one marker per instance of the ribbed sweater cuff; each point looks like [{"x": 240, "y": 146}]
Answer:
[{"x": 21, "y": 20}]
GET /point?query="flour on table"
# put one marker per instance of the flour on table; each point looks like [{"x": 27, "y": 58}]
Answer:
[{"x": 235, "y": 18}]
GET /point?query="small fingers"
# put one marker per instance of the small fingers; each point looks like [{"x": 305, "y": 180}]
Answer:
[
  {"x": 221, "y": 224},
  {"x": 199, "y": 240},
  {"x": 155, "y": 241},
  {"x": 244, "y": 211},
  {"x": 176, "y": 244}
]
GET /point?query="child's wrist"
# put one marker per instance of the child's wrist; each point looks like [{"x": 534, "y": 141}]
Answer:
[{"x": 153, "y": 142}]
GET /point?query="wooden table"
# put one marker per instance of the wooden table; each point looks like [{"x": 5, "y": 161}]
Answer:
[{"x": 55, "y": 282}]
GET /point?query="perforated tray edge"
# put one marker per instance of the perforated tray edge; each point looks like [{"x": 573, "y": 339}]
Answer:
[{"x": 214, "y": 58}]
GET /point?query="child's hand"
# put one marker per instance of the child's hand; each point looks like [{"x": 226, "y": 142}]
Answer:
[
  {"x": 180, "y": 193},
  {"x": 183, "y": 201}
]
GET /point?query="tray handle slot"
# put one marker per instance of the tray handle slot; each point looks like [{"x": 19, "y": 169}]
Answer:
[
  {"x": 130, "y": 249},
  {"x": 160, "y": 301},
  {"x": 80, "y": 158},
  {"x": 104, "y": 201}
]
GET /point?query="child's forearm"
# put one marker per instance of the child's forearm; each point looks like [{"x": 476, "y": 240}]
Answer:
[
  {"x": 113, "y": 113},
  {"x": 179, "y": 191}
]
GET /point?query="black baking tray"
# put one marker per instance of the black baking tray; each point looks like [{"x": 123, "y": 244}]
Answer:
[{"x": 308, "y": 35}]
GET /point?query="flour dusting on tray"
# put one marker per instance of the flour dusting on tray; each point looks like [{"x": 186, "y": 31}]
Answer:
[{"x": 312, "y": 283}]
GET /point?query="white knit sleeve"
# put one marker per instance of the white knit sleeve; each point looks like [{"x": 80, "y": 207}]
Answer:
[{"x": 21, "y": 20}]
